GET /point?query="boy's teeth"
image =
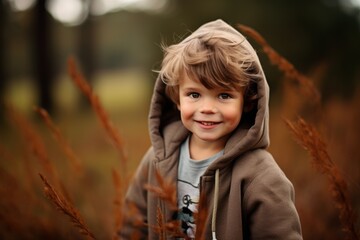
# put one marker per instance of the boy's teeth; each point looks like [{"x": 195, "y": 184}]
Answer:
[{"x": 207, "y": 123}]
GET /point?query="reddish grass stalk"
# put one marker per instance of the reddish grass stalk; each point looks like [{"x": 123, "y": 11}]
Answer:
[
  {"x": 119, "y": 194},
  {"x": 16, "y": 201},
  {"x": 5, "y": 155},
  {"x": 163, "y": 228},
  {"x": 310, "y": 139},
  {"x": 8, "y": 182},
  {"x": 113, "y": 133},
  {"x": 37, "y": 146},
  {"x": 12, "y": 183},
  {"x": 167, "y": 192},
  {"x": 160, "y": 224},
  {"x": 74, "y": 161},
  {"x": 30, "y": 182},
  {"x": 66, "y": 208},
  {"x": 135, "y": 236},
  {"x": 284, "y": 65},
  {"x": 121, "y": 183},
  {"x": 32, "y": 140}
]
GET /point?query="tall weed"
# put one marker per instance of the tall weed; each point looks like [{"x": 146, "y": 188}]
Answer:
[{"x": 24, "y": 213}]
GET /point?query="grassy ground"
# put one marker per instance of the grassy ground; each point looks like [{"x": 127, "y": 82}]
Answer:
[
  {"x": 125, "y": 99},
  {"x": 27, "y": 214}
]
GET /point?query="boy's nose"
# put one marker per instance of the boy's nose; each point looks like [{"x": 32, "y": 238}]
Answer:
[{"x": 208, "y": 106}]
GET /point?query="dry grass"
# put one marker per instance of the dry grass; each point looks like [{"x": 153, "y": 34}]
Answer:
[
  {"x": 166, "y": 191},
  {"x": 62, "y": 142},
  {"x": 32, "y": 141},
  {"x": 22, "y": 211},
  {"x": 289, "y": 70},
  {"x": 29, "y": 219},
  {"x": 66, "y": 208},
  {"x": 107, "y": 124},
  {"x": 310, "y": 139}
]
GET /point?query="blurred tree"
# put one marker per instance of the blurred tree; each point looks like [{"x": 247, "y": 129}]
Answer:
[
  {"x": 309, "y": 33},
  {"x": 87, "y": 42},
  {"x": 44, "y": 70},
  {"x": 2, "y": 52},
  {"x": 2, "y": 58},
  {"x": 86, "y": 46}
]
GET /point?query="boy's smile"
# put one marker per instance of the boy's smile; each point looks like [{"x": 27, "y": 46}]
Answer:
[
  {"x": 210, "y": 114},
  {"x": 207, "y": 125}
]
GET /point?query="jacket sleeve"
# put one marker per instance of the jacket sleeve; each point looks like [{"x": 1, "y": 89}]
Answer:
[
  {"x": 270, "y": 208},
  {"x": 134, "y": 209}
]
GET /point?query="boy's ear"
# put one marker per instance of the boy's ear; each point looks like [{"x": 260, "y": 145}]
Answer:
[{"x": 178, "y": 106}]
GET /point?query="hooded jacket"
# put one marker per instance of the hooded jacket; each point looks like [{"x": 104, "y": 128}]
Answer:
[{"x": 246, "y": 193}]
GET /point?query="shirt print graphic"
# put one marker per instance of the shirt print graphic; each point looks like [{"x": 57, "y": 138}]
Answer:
[{"x": 188, "y": 200}]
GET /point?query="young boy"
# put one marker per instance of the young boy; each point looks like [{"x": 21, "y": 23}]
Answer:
[{"x": 209, "y": 130}]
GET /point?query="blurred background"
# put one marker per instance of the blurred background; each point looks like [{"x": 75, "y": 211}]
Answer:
[{"x": 117, "y": 44}]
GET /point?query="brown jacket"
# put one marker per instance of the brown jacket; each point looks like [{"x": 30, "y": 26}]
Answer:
[{"x": 255, "y": 200}]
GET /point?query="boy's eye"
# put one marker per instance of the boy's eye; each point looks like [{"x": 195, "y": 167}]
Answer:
[
  {"x": 224, "y": 96},
  {"x": 194, "y": 95}
]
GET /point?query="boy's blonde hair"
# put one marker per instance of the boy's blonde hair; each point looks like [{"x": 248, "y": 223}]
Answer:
[{"x": 214, "y": 59}]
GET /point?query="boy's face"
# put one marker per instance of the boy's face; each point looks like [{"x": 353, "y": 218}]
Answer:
[{"x": 210, "y": 114}]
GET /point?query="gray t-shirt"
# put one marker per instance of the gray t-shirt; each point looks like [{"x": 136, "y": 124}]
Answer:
[{"x": 189, "y": 174}]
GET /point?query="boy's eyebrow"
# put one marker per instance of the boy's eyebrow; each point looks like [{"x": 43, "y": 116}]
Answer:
[
  {"x": 219, "y": 89},
  {"x": 225, "y": 89},
  {"x": 191, "y": 89}
]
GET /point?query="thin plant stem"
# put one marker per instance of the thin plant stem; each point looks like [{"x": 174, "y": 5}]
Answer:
[
  {"x": 310, "y": 139},
  {"x": 66, "y": 208}
]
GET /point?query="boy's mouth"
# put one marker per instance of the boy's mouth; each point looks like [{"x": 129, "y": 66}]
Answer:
[{"x": 206, "y": 123}]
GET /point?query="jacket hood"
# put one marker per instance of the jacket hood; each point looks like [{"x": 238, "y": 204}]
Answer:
[{"x": 167, "y": 131}]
